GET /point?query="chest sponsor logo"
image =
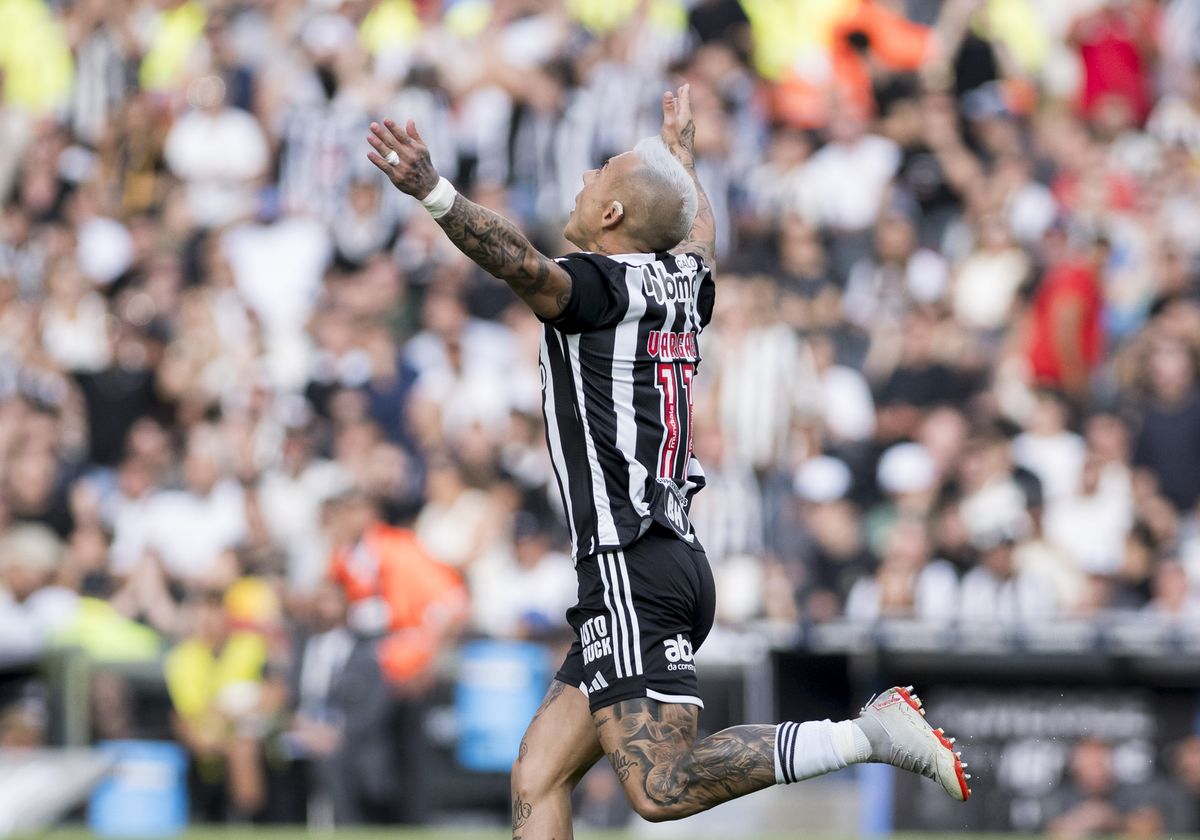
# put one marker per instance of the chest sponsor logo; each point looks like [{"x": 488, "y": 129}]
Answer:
[{"x": 669, "y": 286}]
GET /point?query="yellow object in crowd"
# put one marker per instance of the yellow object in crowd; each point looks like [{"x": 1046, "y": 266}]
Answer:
[
  {"x": 34, "y": 57},
  {"x": 176, "y": 33},
  {"x": 1017, "y": 26},
  {"x": 198, "y": 678},
  {"x": 468, "y": 18},
  {"x": 785, "y": 30},
  {"x": 603, "y": 16},
  {"x": 251, "y": 602},
  {"x": 106, "y": 636},
  {"x": 390, "y": 25}
]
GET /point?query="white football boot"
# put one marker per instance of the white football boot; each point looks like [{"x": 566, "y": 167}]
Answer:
[{"x": 895, "y": 725}]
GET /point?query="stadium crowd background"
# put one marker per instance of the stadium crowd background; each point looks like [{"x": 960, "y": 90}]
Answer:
[{"x": 952, "y": 374}]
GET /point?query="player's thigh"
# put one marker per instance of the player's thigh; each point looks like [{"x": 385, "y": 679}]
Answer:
[
  {"x": 559, "y": 745},
  {"x": 646, "y": 742}
]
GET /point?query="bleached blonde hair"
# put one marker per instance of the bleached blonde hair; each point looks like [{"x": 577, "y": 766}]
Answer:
[{"x": 666, "y": 194}]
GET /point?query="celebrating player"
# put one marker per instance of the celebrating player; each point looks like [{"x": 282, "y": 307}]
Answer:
[{"x": 619, "y": 350}]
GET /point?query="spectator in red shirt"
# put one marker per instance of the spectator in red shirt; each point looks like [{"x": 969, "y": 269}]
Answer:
[
  {"x": 1116, "y": 48},
  {"x": 1066, "y": 336}
]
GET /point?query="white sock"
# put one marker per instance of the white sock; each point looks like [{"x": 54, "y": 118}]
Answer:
[{"x": 817, "y": 747}]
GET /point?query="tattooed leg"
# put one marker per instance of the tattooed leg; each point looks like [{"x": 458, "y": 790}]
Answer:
[
  {"x": 666, "y": 773},
  {"x": 559, "y": 746}
]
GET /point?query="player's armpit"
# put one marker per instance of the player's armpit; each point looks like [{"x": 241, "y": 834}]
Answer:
[{"x": 499, "y": 248}]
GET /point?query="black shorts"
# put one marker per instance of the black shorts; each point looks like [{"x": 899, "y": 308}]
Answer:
[{"x": 642, "y": 614}]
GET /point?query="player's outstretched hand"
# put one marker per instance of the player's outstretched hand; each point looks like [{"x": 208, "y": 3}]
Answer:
[
  {"x": 402, "y": 155},
  {"x": 678, "y": 129}
]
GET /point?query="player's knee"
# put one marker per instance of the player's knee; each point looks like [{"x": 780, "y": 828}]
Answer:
[
  {"x": 652, "y": 811},
  {"x": 532, "y": 779},
  {"x": 657, "y": 802}
]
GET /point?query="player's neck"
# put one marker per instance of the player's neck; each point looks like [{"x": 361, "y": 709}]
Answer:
[{"x": 608, "y": 244}]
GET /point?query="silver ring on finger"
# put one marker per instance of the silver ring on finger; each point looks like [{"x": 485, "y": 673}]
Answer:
[{"x": 392, "y": 158}]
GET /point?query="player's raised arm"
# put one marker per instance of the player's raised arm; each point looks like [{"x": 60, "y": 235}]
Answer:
[
  {"x": 491, "y": 240},
  {"x": 679, "y": 133}
]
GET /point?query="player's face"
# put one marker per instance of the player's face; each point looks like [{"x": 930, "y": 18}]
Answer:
[{"x": 600, "y": 189}]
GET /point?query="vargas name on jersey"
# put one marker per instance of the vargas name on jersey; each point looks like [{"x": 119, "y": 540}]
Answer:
[{"x": 617, "y": 368}]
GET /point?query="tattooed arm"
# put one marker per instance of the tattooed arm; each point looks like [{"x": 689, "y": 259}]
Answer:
[
  {"x": 492, "y": 241},
  {"x": 679, "y": 133}
]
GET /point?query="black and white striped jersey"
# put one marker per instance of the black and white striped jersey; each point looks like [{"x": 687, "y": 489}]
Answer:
[{"x": 617, "y": 368}]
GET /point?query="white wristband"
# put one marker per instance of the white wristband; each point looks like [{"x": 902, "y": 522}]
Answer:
[{"x": 440, "y": 199}]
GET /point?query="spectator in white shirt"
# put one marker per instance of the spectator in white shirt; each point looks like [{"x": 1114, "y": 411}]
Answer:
[
  {"x": 998, "y": 590},
  {"x": 290, "y": 495},
  {"x": 32, "y": 607},
  {"x": 456, "y": 522},
  {"x": 74, "y": 321},
  {"x": 909, "y": 583},
  {"x": 843, "y": 184},
  {"x": 986, "y": 282},
  {"x": 847, "y": 406},
  {"x": 992, "y": 499},
  {"x": 219, "y": 153},
  {"x": 1049, "y": 450},
  {"x": 525, "y": 594},
  {"x": 191, "y": 527},
  {"x": 1091, "y": 525},
  {"x": 1175, "y": 598}
]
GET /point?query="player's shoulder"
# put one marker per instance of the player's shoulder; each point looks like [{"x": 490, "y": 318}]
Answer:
[
  {"x": 689, "y": 261},
  {"x": 680, "y": 261},
  {"x": 586, "y": 260},
  {"x": 606, "y": 259}
]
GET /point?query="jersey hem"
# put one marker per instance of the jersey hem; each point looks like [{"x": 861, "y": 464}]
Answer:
[{"x": 610, "y": 547}]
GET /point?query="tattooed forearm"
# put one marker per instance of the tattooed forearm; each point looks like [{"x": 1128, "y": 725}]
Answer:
[
  {"x": 702, "y": 239},
  {"x": 678, "y": 775},
  {"x": 499, "y": 248}
]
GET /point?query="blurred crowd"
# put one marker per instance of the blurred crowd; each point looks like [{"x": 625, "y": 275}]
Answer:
[{"x": 256, "y": 411}]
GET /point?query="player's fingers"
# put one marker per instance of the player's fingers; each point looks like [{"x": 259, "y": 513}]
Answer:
[
  {"x": 685, "y": 104},
  {"x": 380, "y": 164},
  {"x": 391, "y": 156},
  {"x": 411, "y": 129},
  {"x": 382, "y": 139},
  {"x": 378, "y": 145},
  {"x": 669, "y": 116},
  {"x": 399, "y": 136}
]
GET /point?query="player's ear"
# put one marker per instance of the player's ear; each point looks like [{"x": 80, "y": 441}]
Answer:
[{"x": 614, "y": 214}]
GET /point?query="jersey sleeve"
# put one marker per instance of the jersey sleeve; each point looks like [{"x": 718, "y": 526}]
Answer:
[
  {"x": 706, "y": 292},
  {"x": 599, "y": 297}
]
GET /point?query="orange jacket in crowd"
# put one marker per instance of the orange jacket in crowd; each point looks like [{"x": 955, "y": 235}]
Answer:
[
  {"x": 423, "y": 598},
  {"x": 895, "y": 42}
]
